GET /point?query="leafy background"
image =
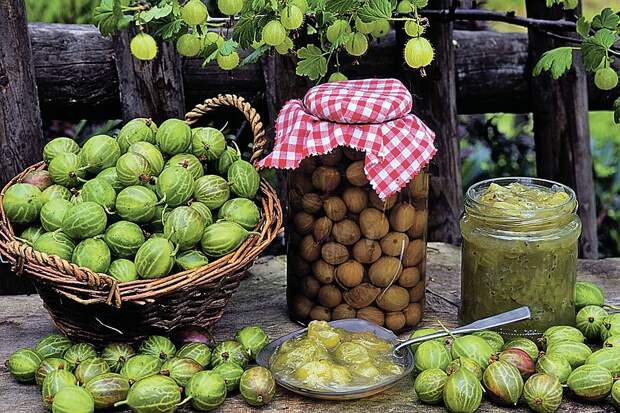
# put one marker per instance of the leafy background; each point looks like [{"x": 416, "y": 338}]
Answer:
[{"x": 491, "y": 144}]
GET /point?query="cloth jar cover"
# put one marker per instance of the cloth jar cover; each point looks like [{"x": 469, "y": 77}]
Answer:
[{"x": 370, "y": 115}]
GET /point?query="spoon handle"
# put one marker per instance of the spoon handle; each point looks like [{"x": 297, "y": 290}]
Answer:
[{"x": 512, "y": 316}]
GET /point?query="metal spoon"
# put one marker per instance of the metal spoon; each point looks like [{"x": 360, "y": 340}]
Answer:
[{"x": 512, "y": 316}]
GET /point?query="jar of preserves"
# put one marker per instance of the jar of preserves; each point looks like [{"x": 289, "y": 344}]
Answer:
[
  {"x": 357, "y": 202},
  {"x": 520, "y": 248}
]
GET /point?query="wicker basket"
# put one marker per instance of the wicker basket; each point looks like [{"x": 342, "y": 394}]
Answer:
[{"x": 95, "y": 307}]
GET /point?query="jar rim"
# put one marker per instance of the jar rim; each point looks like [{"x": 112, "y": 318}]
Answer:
[{"x": 544, "y": 217}]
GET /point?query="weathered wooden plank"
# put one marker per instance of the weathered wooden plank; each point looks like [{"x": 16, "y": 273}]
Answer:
[
  {"x": 561, "y": 129},
  {"x": 152, "y": 89},
  {"x": 435, "y": 101},
  {"x": 76, "y": 73},
  {"x": 261, "y": 300},
  {"x": 21, "y": 137}
]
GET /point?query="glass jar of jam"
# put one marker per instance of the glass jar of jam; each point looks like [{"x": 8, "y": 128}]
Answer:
[{"x": 520, "y": 248}]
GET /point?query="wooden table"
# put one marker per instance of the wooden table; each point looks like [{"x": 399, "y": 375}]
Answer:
[{"x": 261, "y": 300}]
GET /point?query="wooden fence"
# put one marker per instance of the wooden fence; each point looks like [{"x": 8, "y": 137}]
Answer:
[{"x": 76, "y": 73}]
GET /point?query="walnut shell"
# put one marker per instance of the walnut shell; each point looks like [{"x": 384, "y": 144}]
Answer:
[
  {"x": 372, "y": 314},
  {"x": 373, "y": 223},
  {"x": 325, "y": 178},
  {"x": 323, "y": 271},
  {"x": 394, "y": 244},
  {"x": 409, "y": 277},
  {"x": 309, "y": 249},
  {"x": 395, "y": 298},
  {"x": 322, "y": 229},
  {"x": 418, "y": 228},
  {"x": 301, "y": 182},
  {"x": 335, "y": 208},
  {"x": 395, "y": 321},
  {"x": 385, "y": 271},
  {"x": 319, "y": 312},
  {"x": 329, "y": 296},
  {"x": 415, "y": 252},
  {"x": 353, "y": 154},
  {"x": 343, "y": 311},
  {"x": 413, "y": 314},
  {"x": 308, "y": 165},
  {"x": 301, "y": 307},
  {"x": 355, "y": 174},
  {"x": 311, "y": 203},
  {"x": 346, "y": 232},
  {"x": 356, "y": 199},
  {"x": 331, "y": 159},
  {"x": 416, "y": 293},
  {"x": 304, "y": 222},
  {"x": 366, "y": 251},
  {"x": 378, "y": 203},
  {"x": 418, "y": 186},
  {"x": 362, "y": 295},
  {"x": 350, "y": 273},
  {"x": 334, "y": 253},
  {"x": 402, "y": 216},
  {"x": 310, "y": 286}
]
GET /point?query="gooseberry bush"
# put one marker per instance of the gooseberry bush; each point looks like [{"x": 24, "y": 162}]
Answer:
[
  {"x": 317, "y": 32},
  {"x": 596, "y": 45}
]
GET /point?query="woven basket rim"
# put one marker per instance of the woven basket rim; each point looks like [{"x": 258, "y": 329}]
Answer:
[{"x": 87, "y": 287}]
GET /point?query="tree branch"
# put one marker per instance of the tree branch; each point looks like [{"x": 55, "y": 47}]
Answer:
[{"x": 508, "y": 17}]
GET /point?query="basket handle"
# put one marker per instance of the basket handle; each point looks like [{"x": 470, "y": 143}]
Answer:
[{"x": 244, "y": 107}]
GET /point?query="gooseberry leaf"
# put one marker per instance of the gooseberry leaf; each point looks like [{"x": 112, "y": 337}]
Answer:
[
  {"x": 341, "y": 6},
  {"x": 108, "y": 16},
  {"x": 556, "y": 61},
  {"x": 228, "y": 47},
  {"x": 420, "y": 4},
  {"x": 312, "y": 62},
  {"x": 595, "y": 48},
  {"x": 374, "y": 10},
  {"x": 607, "y": 19},
  {"x": 583, "y": 27},
  {"x": 255, "y": 55},
  {"x": 617, "y": 110},
  {"x": 209, "y": 53},
  {"x": 169, "y": 30},
  {"x": 154, "y": 13},
  {"x": 244, "y": 31}
]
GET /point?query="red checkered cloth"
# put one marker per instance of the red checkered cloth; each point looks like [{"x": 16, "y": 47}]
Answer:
[{"x": 370, "y": 115}]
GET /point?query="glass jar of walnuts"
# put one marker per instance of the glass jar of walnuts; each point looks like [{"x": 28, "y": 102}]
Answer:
[
  {"x": 351, "y": 254},
  {"x": 357, "y": 202}
]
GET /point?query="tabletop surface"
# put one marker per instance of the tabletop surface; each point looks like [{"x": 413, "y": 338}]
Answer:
[{"x": 261, "y": 300}]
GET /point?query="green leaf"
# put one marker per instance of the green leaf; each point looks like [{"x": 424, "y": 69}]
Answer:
[
  {"x": 374, "y": 10},
  {"x": 109, "y": 18},
  {"x": 312, "y": 63},
  {"x": 341, "y": 6},
  {"x": 244, "y": 31},
  {"x": 255, "y": 55},
  {"x": 228, "y": 47},
  {"x": 606, "y": 20},
  {"x": 317, "y": 5},
  {"x": 617, "y": 110},
  {"x": 154, "y": 13},
  {"x": 595, "y": 48},
  {"x": 556, "y": 61},
  {"x": 420, "y": 4},
  {"x": 583, "y": 27},
  {"x": 209, "y": 53},
  {"x": 169, "y": 30}
]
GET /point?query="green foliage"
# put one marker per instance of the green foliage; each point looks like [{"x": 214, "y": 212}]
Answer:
[
  {"x": 61, "y": 11},
  {"x": 317, "y": 51},
  {"x": 557, "y": 62}
]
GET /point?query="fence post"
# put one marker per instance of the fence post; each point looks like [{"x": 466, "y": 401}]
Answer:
[
  {"x": 21, "y": 137},
  {"x": 152, "y": 89},
  {"x": 561, "y": 128},
  {"x": 435, "y": 101}
]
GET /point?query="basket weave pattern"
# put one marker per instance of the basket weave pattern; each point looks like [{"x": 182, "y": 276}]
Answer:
[{"x": 95, "y": 307}]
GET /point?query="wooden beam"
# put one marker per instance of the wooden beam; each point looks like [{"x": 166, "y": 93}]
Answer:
[
  {"x": 561, "y": 129},
  {"x": 151, "y": 89},
  {"x": 435, "y": 101},
  {"x": 77, "y": 76},
  {"x": 21, "y": 137}
]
